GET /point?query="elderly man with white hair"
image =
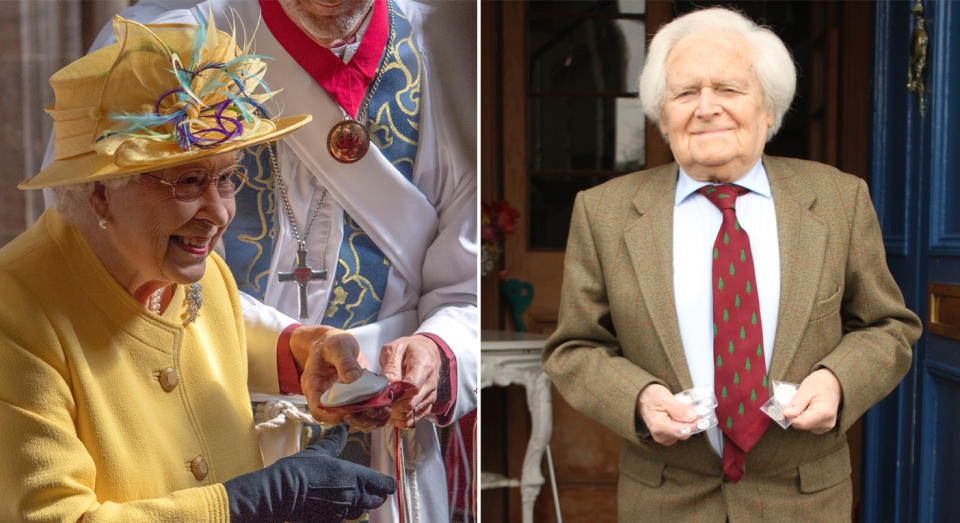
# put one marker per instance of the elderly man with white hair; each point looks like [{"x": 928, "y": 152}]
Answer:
[{"x": 726, "y": 272}]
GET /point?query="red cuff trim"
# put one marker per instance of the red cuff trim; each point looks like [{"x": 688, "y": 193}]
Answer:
[
  {"x": 288, "y": 372},
  {"x": 444, "y": 410}
]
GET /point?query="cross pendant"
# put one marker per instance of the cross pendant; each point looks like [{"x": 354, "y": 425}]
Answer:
[{"x": 302, "y": 273}]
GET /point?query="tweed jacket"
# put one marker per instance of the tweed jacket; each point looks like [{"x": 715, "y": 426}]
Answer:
[
  {"x": 618, "y": 332},
  {"x": 91, "y": 427}
]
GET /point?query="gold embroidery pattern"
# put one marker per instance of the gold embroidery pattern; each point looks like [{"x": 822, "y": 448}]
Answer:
[
  {"x": 396, "y": 119},
  {"x": 354, "y": 298},
  {"x": 253, "y": 220}
]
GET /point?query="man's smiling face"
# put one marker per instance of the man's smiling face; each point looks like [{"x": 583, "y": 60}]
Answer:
[{"x": 714, "y": 114}]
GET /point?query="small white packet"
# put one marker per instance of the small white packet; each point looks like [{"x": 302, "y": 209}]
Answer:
[
  {"x": 704, "y": 403},
  {"x": 782, "y": 394}
]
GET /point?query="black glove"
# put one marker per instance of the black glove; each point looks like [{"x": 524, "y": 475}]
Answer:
[{"x": 311, "y": 485}]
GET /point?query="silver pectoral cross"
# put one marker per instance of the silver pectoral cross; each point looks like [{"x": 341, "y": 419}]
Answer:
[{"x": 302, "y": 273}]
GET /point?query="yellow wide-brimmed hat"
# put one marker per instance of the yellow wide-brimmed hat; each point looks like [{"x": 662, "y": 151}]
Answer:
[{"x": 163, "y": 95}]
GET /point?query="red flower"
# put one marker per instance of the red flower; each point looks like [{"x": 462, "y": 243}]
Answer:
[{"x": 499, "y": 220}]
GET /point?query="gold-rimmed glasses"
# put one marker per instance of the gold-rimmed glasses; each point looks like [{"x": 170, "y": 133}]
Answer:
[{"x": 193, "y": 182}]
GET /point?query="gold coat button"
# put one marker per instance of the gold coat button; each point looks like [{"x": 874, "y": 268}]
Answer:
[
  {"x": 169, "y": 378},
  {"x": 198, "y": 465}
]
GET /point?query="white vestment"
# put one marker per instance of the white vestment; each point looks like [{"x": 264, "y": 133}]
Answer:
[{"x": 426, "y": 227}]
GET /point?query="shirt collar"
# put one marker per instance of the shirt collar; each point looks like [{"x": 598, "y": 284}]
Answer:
[{"x": 755, "y": 180}]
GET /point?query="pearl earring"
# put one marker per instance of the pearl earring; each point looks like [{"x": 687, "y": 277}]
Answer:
[{"x": 102, "y": 223}]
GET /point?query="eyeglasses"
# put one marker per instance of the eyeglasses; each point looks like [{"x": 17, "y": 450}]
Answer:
[{"x": 192, "y": 183}]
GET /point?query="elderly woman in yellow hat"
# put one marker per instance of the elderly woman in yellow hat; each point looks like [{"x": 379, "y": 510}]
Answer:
[{"x": 123, "y": 364}]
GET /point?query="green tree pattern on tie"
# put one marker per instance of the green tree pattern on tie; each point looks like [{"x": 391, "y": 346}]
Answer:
[{"x": 736, "y": 316}]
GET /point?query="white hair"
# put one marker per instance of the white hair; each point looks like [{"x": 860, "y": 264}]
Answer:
[
  {"x": 73, "y": 200},
  {"x": 772, "y": 62}
]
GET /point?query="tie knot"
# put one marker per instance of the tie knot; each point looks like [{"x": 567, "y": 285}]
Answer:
[{"x": 723, "y": 196}]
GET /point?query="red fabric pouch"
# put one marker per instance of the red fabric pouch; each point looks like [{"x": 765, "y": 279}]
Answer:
[{"x": 382, "y": 399}]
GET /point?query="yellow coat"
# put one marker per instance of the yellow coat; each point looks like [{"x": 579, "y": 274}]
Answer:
[{"x": 87, "y": 429}]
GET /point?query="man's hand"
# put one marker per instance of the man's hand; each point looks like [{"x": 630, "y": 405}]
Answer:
[
  {"x": 814, "y": 406},
  {"x": 326, "y": 355},
  {"x": 664, "y": 416},
  {"x": 416, "y": 360}
]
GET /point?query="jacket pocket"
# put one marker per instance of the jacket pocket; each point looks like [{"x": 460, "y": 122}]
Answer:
[
  {"x": 639, "y": 467},
  {"x": 826, "y": 471},
  {"x": 825, "y": 308}
]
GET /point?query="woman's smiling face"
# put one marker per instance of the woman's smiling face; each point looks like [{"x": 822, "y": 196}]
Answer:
[{"x": 154, "y": 237}]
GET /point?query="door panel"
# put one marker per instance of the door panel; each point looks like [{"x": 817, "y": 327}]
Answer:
[{"x": 911, "y": 460}]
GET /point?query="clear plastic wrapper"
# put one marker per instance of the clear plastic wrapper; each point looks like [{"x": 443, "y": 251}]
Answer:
[
  {"x": 704, "y": 402},
  {"x": 782, "y": 394}
]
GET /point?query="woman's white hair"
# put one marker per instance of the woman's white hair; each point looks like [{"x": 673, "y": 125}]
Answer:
[
  {"x": 73, "y": 201},
  {"x": 771, "y": 60}
]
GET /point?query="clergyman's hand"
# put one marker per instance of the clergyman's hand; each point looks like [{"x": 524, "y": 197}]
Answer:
[
  {"x": 814, "y": 407},
  {"x": 326, "y": 355},
  {"x": 415, "y": 360},
  {"x": 664, "y": 416}
]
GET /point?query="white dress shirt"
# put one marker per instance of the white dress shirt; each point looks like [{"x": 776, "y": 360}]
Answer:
[{"x": 696, "y": 222}]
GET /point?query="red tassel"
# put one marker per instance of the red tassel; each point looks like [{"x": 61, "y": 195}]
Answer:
[{"x": 400, "y": 487}]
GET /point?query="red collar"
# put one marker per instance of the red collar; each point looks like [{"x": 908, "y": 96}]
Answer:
[{"x": 346, "y": 83}]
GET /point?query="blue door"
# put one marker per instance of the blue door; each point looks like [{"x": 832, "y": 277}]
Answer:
[{"x": 911, "y": 452}]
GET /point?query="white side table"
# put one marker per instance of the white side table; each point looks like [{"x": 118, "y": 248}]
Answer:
[{"x": 514, "y": 357}]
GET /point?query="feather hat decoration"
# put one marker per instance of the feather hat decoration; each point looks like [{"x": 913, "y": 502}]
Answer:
[{"x": 163, "y": 95}]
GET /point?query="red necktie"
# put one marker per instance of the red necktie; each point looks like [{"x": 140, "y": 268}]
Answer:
[{"x": 740, "y": 378}]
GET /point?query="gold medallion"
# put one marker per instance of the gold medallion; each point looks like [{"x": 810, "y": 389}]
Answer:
[{"x": 348, "y": 141}]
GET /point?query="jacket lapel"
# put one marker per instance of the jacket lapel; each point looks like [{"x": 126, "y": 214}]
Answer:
[
  {"x": 803, "y": 240},
  {"x": 649, "y": 243}
]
